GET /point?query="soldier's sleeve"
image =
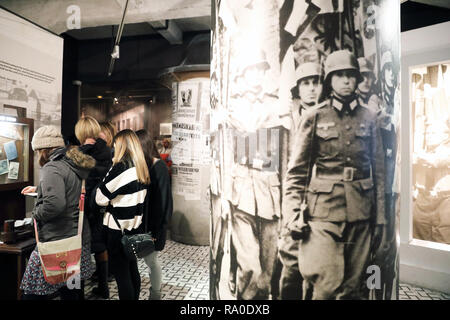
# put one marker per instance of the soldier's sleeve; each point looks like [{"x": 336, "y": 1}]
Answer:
[
  {"x": 374, "y": 103},
  {"x": 378, "y": 171},
  {"x": 297, "y": 171}
]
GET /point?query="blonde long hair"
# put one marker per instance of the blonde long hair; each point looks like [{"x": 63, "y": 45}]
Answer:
[
  {"x": 110, "y": 131},
  {"x": 128, "y": 148}
]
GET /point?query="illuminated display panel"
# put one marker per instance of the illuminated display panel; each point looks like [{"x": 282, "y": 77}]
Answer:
[{"x": 430, "y": 95}]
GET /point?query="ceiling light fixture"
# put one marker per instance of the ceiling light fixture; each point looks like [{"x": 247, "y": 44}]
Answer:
[{"x": 115, "y": 53}]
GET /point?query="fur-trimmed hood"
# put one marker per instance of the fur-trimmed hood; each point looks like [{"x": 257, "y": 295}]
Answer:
[
  {"x": 79, "y": 162},
  {"x": 79, "y": 158}
]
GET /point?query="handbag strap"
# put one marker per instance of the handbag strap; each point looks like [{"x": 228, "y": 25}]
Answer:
[
  {"x": 81, "y": 206},
  {"x": 80, "y": 214},
  {"x": 117, "y": 222}
]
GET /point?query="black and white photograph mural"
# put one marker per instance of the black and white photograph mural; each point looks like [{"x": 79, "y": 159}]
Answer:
[{"x": 304, "y": 138}]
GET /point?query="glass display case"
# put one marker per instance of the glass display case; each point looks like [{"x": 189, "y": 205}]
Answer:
[
  {"x": 430, "y": 95},
  {"x": 16, "y": 155}
]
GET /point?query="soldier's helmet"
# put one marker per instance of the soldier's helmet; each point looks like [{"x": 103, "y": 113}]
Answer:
[
  {"x": 341, "y": 60},
  {"x": 365, "y": 65},
  {"x": 385, "y": 59},
  {"x": 309, "y": 69}
]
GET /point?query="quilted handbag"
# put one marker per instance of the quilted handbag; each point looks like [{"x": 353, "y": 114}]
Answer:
[
  {"x": 61, "y": 259},
  {"x": 136, "y": 245}
]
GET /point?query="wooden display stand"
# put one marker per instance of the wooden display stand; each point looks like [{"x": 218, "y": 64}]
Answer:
[{"x": 14, "y": 258}]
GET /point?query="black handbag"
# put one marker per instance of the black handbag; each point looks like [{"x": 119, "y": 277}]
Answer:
[{"x": 136, "y": 245}]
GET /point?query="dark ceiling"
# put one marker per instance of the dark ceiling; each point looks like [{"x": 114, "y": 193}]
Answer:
[
  {"x": 413, "y": 15},
  {"x": 417, "y": 15}
]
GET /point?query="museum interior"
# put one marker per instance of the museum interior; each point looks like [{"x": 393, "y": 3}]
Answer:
[{"x": 163, "y": 66}]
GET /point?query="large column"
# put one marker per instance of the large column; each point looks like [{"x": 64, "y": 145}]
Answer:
[
  {"x": 190, "y": 157},
  {"x": 304, "y": 123}
]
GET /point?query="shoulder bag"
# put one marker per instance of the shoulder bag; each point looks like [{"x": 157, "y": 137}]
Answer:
[
  {"x": 136, "y": 245},
  {"x": 61, "y": 259}
]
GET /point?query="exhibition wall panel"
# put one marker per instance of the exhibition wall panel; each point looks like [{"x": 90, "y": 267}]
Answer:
[{"x": 30, "y": 71}]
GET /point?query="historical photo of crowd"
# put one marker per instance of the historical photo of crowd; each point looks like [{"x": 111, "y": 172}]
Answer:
[{"x": 304, "y": 177}]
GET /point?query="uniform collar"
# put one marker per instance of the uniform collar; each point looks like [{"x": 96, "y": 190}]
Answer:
[
  {"x": 364, "y": 97},
  {"x": 339, "y": 104},
  {"x": 304, "y": 106}
]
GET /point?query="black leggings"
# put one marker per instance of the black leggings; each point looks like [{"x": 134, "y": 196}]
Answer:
[{"x": 127, "y": 276}]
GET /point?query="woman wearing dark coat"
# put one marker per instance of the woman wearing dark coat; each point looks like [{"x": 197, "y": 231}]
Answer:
[
  {"x": 87, "y": 131},
  {"x": 158, "y": 208}
]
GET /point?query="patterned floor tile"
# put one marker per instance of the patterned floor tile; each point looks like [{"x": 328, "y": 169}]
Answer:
[{"x": 185, "y": 271}]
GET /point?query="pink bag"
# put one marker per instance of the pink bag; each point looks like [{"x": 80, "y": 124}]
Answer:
[{"x": 61, "y": 259}]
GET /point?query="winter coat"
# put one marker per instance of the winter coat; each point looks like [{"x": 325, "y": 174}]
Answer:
[
  {"x": 159, "y": 203},
  {"x": 103, "y": 162},
  {"x": 56, "y": 210}
]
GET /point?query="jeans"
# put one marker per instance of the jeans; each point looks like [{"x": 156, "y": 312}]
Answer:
[{"x": 155, "y": 270}]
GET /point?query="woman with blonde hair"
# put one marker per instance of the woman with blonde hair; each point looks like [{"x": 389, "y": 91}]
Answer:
[
  {"x": 123, "y": 193},
  {"x": 107, "y": 132},
  {"x": 87, "y": 131}
]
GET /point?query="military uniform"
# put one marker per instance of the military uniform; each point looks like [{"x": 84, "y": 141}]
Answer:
[
  {"x": 385, "y": 248},
  {"x": 291, "y": 280},
  {"x": 255, "y": 203},
  {"x": 369, "y": 99},
  {"x": 341, "y": 145},
  {"x": 252, "y": 186}
]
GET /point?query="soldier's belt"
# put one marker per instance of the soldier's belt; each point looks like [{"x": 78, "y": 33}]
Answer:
[{"x": 342, "y": 174}]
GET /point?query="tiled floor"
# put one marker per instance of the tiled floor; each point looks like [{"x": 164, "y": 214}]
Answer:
[
  {"x": 185, "y": 271},
  {"x": 186, "y": 277},
  {"x": 410, "y": 292}
]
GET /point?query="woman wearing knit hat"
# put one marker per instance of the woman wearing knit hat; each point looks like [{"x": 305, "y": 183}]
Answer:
[{"x": 56, "y": 210}]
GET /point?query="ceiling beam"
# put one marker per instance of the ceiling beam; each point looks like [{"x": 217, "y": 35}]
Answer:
[
  {"x": 169, "y": 30},
  {"x": 55, "y": 14},
  {"x": 436, "y": 3}
]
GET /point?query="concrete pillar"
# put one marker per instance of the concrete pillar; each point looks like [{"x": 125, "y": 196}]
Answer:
[{"x": 190, "y": 156}]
